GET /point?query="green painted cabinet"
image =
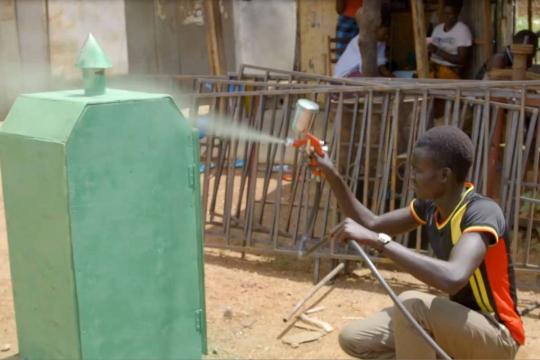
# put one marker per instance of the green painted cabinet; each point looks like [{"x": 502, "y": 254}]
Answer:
[{"x": 104, "y": 227}]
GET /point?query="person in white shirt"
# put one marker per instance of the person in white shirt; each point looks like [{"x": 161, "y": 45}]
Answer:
[
  {"x": 450, "y": 44},
  {"x": 350, "y": 62}
]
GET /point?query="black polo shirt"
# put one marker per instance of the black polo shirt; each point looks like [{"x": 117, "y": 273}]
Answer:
[{"x": 491, "y": 288}]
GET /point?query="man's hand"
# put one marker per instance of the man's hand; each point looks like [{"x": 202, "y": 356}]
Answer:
[
  {"x": 324, "y": 162},
  {"x": 351, "y": 230},
  {"x": 432, "y": 48}
]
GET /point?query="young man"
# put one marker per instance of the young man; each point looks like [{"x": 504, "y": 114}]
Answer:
[
  {"x": 450, "y": 44},
  {"x": 469, "y": 237}
]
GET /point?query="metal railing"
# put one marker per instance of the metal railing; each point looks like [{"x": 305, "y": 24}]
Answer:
[{"x": 262, "y": 197}]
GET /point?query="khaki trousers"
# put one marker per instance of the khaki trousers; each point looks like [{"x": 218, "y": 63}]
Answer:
[{"x": 460, "y": 331}]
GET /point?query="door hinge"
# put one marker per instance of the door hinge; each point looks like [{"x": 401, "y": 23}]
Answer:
[
  {"x": 198, "y": 320},
  {"x": 191, "y": 176}
]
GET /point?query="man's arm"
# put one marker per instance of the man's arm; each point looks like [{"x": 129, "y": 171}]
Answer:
[
  {"x": 497, "y": 61},
  {"x": 393, "y": 223},
  {"x": 459, "y": 59},
  {"x": 385, "y": 72},
  {"x": 449, "y": 276}
]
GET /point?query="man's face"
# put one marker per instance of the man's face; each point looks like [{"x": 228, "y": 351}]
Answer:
[
  {"x": 449, "y": 16},
  {"x": 428, "y": 179}
]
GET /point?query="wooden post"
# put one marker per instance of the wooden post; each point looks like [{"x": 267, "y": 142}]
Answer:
[
  {"x": 488, "y": 30},
  {"x": 521, "y": 53},
  {"x": 419, "y": 29},
  {"x": 529, "y": 15},
  {"x": 214, "y": 37},
  {"x": 369, "y": 18}
]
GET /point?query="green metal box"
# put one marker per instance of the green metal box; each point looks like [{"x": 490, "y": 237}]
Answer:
[{"x": 104, "y": 227}]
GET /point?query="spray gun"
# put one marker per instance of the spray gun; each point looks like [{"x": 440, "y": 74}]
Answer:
[{"x": 306, "y": 111}]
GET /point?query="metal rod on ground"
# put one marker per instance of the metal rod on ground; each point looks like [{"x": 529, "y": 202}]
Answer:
[
  {"x": 292, "y": 322},
  {"x": 312, "y": 292},
  {"x": 398, "y": 303}
]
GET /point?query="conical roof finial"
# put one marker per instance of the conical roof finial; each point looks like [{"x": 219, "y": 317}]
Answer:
[
  {"x": 93, "y": 62},
  {"x": 91, "y": 55}
]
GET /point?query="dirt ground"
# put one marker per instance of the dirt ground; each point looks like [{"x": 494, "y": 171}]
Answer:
[{"x": 247, "y": 298}]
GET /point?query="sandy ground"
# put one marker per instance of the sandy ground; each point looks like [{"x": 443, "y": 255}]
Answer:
[{"x": 247, "y": 298}]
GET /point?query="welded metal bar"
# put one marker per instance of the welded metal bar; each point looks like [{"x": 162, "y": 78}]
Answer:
[
  {"x": 298, "y": 306},
  {"x": 252, "y": 166},
  {"x": 271, "y": 151},
  {"x": 247, "y": 159},
  {"x": 475, "y": 140},
  {"x": 382, "y": 146},
  {"x": 457, "y": 104},
  {"x": 447, "y": 110},
  {"x": 229, "y": 183},
  {"x": 528, "y": 142},
  {"x": 279, "y": 190},
  {"x": 511, "y": 128},
  {"x": 303, "y": 181},
  {"x": 519, "y": 149},
  {"x": 360, "y": 147},
  {"x": 487, "y": 141},
  {"x": 368, "y": 152},
  {"x": 395, "y": 143},
  {"x": 534, "y": 200},
  {"x": 352, "y": 137}
]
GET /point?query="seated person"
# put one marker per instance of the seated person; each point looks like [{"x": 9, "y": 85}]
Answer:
[
  {"x": 450, "y": 44},
  {"x": 350, "y": 62},
  {"x": 503, "y": 59},
  {"x": 346, "y": 27}
]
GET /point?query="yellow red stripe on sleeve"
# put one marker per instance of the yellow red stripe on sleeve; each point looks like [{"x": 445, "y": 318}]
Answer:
[
  {"x": 417, "y": 218},
  {"x": 486, "y": 229}
]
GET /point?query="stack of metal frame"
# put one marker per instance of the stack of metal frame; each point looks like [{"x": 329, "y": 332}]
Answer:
[{"x": 263, "y": 198}]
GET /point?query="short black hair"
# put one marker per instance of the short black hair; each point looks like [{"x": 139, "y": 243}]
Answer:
[
  {"x": 451, "y": 148},
  {"x": 526, "y": 37}
]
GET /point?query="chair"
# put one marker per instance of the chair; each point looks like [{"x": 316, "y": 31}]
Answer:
[{"x": 331, "y": 55}]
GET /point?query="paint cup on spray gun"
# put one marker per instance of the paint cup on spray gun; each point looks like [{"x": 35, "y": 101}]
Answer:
[
  {"x": 304, "y": 116},
  {"x": 305, "y": 113}
]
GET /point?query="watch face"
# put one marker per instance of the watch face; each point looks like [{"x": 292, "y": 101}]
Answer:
[{"x": 384, "y": 238}]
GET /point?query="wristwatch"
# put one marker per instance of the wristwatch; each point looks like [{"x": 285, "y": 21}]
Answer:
[{"x": 383, "y": 239}]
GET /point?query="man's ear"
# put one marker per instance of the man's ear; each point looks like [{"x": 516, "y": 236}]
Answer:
[{"x": 446, "y": 173}]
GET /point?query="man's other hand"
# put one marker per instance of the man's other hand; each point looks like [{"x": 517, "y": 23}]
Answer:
[
  {"x": 351, "y": 230},
  {"x": 324, "y": 163}
]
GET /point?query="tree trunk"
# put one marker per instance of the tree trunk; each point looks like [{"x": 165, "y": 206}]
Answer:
[{"x": 369, "y": 18}]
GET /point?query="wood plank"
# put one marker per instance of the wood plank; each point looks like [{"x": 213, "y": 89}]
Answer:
[
  {"x": 141, "y": 40},
  {"x": 419, "y": 30},
  {"x": 214, "y": 37},
  {"x": 168, "y": 48},
  {"x": 529, "y": 15},
  {"x": 316, "y": 22},
  {"x": 488, "y": 31},
  {"x": 192, "y": 37}
]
